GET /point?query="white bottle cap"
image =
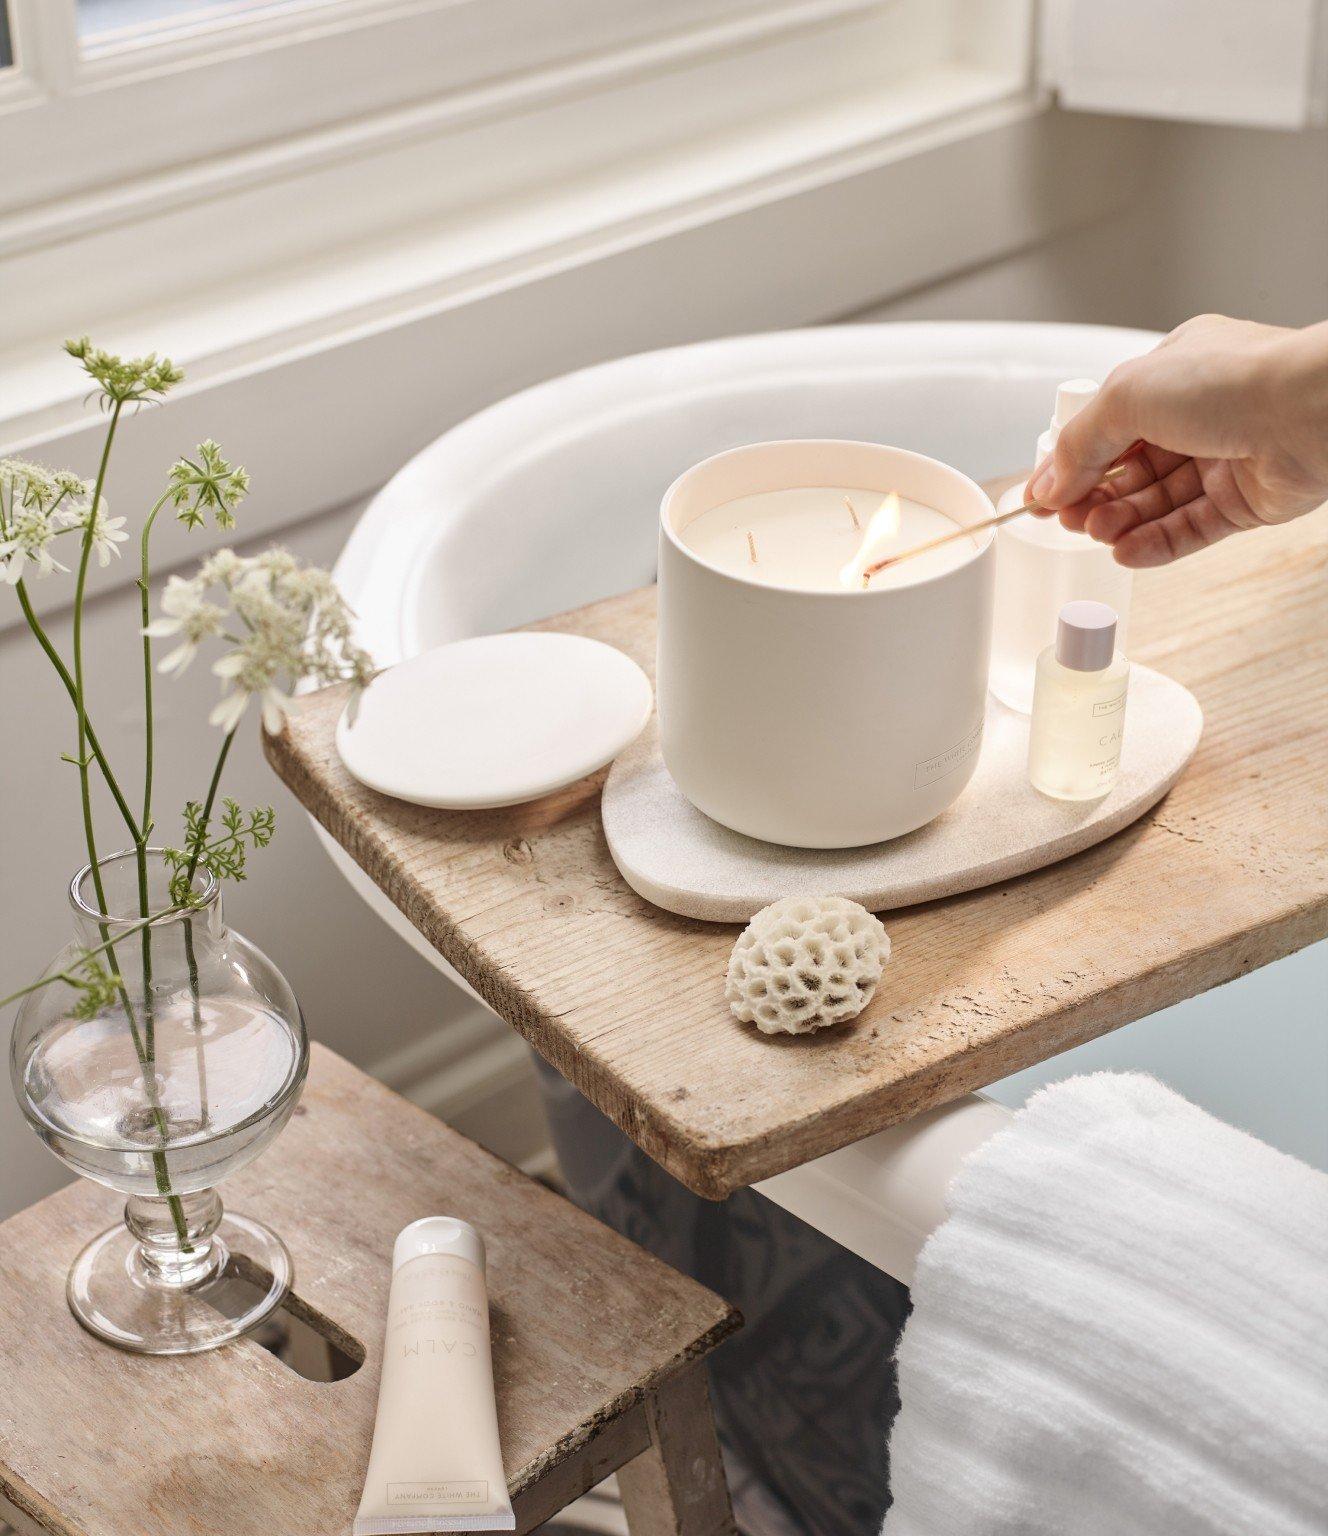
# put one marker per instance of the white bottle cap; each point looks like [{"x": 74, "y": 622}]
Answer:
[
  {"x": 438, "y": 1234},
  {"x": 1071, "y": 398},
  {"x": 1085, "y": 638}
]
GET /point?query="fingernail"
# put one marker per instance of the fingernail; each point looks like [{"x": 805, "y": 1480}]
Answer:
[{"x": 1041, "y": 483}]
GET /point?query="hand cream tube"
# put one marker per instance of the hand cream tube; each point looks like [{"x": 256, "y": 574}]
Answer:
[{"x": 436, "y": 1464}]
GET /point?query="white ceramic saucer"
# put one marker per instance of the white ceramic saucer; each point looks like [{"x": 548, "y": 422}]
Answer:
[{"x": 494, "y": 720}]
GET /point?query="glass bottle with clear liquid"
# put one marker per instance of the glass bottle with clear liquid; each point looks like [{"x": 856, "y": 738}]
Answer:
[
  {"x": 1040, "y": 567},
  {"x": 1074, "y": 742}
]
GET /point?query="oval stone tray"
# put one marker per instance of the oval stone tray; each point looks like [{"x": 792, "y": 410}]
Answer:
[{"x": 677, "y": 858}]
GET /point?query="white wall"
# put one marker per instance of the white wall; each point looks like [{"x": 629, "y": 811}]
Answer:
[{"x": 1225, "y": 220}]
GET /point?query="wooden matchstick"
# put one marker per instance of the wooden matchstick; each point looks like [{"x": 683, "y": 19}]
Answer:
[
  {"x": 751, "y": 546},
  {"x": 852, "y": 512},
  {"x": 963, "y": 533}
]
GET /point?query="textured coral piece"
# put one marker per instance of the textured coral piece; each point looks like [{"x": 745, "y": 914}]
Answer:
[{"x": 804, "y": 963}]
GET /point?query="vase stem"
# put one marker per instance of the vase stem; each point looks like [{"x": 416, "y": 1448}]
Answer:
[{"x": 176, "y": 1245}]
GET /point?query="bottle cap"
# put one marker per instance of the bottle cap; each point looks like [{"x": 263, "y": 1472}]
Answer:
[
  {"x": 1085, "y": 637},
  {"x": 438, "y": 1234},
  {"x": 1071, "y": 398}
]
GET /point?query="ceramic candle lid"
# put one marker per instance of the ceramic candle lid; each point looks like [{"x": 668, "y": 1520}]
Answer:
[{"x": 495, "y": 720}]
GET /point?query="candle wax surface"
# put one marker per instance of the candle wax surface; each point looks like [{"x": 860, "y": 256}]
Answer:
[{"x": 804, "y": 538}]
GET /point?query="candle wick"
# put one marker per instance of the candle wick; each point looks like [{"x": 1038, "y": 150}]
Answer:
[
  {"x": 852, "y": 512},
  {"x": 751, "y": 546}
]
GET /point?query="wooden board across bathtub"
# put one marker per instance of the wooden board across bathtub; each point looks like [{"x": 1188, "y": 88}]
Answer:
[{"x": 1229, "y": 872}]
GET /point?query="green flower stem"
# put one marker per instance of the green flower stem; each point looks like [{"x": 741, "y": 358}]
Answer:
[
  {"x": 145, "y": 820},
  {"x": 195, "y": 1000},
  {"x": 44, "y": 640},
  {"x": 143, "y": 592},
  {"x": 161, "y": 1169},
  {"x": 88, "y": 954},
  {"x": 80, "y": 691},
  {"x": 195, "y": 853},
  {"x": 200, "y": 838}
]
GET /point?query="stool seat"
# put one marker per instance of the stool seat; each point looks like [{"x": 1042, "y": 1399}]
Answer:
[{"x": 597, "y": 1349}]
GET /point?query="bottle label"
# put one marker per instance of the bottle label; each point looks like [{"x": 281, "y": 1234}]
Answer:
[{"x": 1110, "y": 706}]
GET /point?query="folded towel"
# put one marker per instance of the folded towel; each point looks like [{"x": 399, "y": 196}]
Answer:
[{"x": 1121, "y": 1327}]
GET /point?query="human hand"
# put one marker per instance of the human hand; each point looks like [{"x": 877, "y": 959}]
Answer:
[{"x": 1232, "y": 418}]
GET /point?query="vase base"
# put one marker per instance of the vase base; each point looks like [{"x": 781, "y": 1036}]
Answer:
[{"x": 113, "y": 1296}]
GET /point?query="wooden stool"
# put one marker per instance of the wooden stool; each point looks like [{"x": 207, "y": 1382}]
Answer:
[{"x": 598, "y": 1350}]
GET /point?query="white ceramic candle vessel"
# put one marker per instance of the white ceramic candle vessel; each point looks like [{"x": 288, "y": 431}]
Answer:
[{"x": 810, "y": 711}]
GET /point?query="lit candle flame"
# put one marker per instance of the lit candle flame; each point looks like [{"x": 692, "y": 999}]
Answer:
[{"x": 881, "y": 532}]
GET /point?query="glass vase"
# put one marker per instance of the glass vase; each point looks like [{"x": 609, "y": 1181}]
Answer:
[{"x": 190, "y": 1067}]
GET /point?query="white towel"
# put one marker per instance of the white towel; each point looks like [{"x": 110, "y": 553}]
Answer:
[{"x": 1122, "y": 1327}]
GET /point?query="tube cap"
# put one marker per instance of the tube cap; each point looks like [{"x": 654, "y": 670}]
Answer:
[
  {"x": 438, "y": 1234},
  {"x": 1085, "y": 638}
]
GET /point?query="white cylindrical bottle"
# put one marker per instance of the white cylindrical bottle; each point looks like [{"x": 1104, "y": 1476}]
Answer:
[
  {"x": 1040, "y": 567},
  {"x": 1074, "y": 741}
]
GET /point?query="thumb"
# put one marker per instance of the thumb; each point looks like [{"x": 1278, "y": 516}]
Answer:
[{"x": 1088, "y": 445}]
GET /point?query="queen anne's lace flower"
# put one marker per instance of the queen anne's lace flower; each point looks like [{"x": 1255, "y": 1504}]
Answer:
[
  {"x": 30, "y": 532},
  {"x": 206, "y": 482},
  {"x": 36, "y": 504},
  {"x": 24, "y": 484},
  {"x": 107, "y": 532},
  {"x": 187, "y": 613},
  {"x": 286, "y": 621},
  {"x": 124, "y": 380}
]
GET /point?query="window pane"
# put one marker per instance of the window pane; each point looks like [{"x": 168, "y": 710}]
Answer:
[{"x": 96, "y": 18}]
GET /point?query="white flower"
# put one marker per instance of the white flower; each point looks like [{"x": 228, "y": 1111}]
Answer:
[
  {"x": 292, "y": 621},
  {"x": 188, "y": 614},
  {"x": 227, "y": 714},
  {"x": 252, "y": 668},
  {"x": 107, "y": 532},
  {"x": 30, "y": 533},
  {"x": 29, "y": 485}
]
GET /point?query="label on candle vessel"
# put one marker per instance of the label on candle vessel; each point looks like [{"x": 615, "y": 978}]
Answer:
[{"x": 933, "y": 768}]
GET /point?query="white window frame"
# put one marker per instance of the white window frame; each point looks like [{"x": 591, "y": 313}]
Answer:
[
  {"x": 426, "y": 192},
  {"x": 158, "y": 96},
  {"x": 334, "y": 294}
]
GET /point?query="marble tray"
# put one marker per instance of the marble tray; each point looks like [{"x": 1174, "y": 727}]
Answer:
[{"x": 1000, "y": 826}]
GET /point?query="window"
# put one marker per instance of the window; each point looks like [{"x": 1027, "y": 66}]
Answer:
[
  {"x": 109, "y": 21},
  {"x": 121, "y": 88},
  {"x": 243, "y": 181}
]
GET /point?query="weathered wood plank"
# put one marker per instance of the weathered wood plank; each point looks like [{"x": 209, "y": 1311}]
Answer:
[
  {"x": 676, "y": 1487},
  {"x": 94, "y": 1442},
  {"x": 1229, "y": 872}
]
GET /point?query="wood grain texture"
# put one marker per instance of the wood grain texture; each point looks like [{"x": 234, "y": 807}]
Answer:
[
  {"x": 1227, "y": 873},
  {"x": 585, "y": 1328},
  {"x": 677, "y": 1487}
]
